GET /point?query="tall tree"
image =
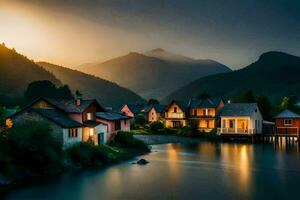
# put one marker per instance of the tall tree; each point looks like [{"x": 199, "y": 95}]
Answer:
[
  {"x": 153, "y": 101},
  {"x": 264, "y": 106}
]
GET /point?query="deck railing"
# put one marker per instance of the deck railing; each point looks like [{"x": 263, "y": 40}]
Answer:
[
  {"x": 238, "y": 131},
  {"x": 287, "y": 130},
  {"x": 175, "y": 115}
]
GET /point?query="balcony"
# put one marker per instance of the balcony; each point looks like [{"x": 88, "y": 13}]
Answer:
[
  {"x": 175, "y": 115},
  {"x": 236, "y": 131}
]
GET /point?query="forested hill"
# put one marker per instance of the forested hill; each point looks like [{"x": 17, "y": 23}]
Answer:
[
  {"x": 17, "y": 71},
  {"x": 274, "y": 74},
  {"x": 108, "y": 93}
]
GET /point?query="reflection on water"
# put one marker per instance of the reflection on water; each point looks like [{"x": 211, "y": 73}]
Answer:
[{"x": 186, "y": 171}]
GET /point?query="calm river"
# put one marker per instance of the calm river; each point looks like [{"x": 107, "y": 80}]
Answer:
[{"x": 184, "y": 171}]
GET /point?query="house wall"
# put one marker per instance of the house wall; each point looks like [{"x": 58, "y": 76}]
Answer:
[
  {"x": 170, "y": 123},
  {"x": 171, "y": 114},
  {"x": 22, "y": 117},
  {"x": 200, "y": 111},
  {"x": 76, "y": 117},
  {"x": 153, "y": 116},
  {"x": 91, "y": 109},
  {"x": 127, "y": 111},
  {"x": 68, "y": 141},
  {"x": 101, "y": 128},
  {"x": 125, "y": 125},
  {"x": 279, "y": 125},
  {"x": 257, "y": 116}
]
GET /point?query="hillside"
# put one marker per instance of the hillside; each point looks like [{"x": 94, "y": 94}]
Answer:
[
  {"x": 108, "y": 93},
  {"x": 274, "y": 74},
  {"x": 155, "y": 73},
  {"x": 16, "y": 72}
]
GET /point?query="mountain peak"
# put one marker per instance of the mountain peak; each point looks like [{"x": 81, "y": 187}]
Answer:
[
  {"x": 157, "y": 50},
  {"x": 274, "y": 55}
]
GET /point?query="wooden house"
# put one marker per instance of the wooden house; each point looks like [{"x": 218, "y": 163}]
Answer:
[
  {"x": 204, "y": 113},
  {"x": 132, "y": 110},
  {"x": 240, "y": 118},
  {"x": 154, "y": 112},
  {"x": 72, "y": 120},
  {"x": 287, "y": 122},
  {"x": 176, "y": 115}
]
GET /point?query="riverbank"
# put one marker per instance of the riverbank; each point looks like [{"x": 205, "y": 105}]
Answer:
[
  {"x": 78, "y": 157},
  {"x": 165, "y": 139}
]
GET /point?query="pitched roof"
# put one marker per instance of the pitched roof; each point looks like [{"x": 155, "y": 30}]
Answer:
[
  {"x": 111, "y": 116},
  {"x": 158, "y": 107},
  {"x": 287, "y": 114},
  {"x": 182, "y": 105},
  {"x": 91, "y": 123},
  {"x": 70, "y": 106},
  {"x": 57, "y": 117},
  {"x": 239, "y": 109},
  {"x": 135, "y": 108},
  {"x": 205, "y": 103}
]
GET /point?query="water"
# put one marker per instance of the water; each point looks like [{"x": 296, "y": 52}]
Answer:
[{"x": 184, "y": 171}]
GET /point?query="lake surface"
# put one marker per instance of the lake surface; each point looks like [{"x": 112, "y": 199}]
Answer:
[{"x": 185, "y": 171}]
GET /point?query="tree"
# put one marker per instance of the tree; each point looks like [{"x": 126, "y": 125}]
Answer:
[
  {"x": 203, "y": 95},
  {"x": 153, "y": 102},
  {"x": 248, "y": 97},
  {"x": 264, "y": 106},
  {"x": 288, "y": 103},
  {"x": 140, "y": 120},
  {"x": 46, "y": 88}
]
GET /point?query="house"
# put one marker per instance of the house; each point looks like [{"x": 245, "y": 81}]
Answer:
[
  {"x": 176, "y": 115},
  {"x": 72, "y": 120},
  {"x": 132, "y": 110},
  {"x": 287, "y": 122},
  {"x": 240, "y": 118},
  {"x": 204, "y": 113},
  {"x": 154, "y": 112},
  {"x": 115, "y": 122}
]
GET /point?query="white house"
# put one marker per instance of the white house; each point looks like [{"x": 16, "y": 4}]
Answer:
[{"x": 241, "y": 118}]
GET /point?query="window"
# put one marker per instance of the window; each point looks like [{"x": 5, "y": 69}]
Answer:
[
  {"x": 231, "y": 123},
  {"x": 175, "y": 109},
  {"x": 203, "y": 112},
  {"x": 195, "y": 112},
  {"x": 117, "y": 125},
  {"x": 73, "y": 132},
  {"x": 288, "y": 122},
  {"x": 89, "y": 116}
]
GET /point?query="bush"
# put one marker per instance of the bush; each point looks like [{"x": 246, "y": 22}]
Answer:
[
  {"x": 186, "y": 131},
  {"x": 140, "y": 120},
  {"x": 31, "y": 149},
  {"x": 87, "y": 154},
  {"x": 126, "y": 140},
  {"x": 155, "y": 126},
  {"x": 213, "y": 136}
]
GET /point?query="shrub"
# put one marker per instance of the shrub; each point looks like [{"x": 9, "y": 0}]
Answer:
[
  {"x": 213, "y": 136},
  {"x": 186, "y": 131},
  {"x": 87, "y": 154},
  {"x": 140, "y": 120},
  {"x": 126, "y": 140},
  {"x": 155, "y": 126},
  {"x": 31, "y": 149}
]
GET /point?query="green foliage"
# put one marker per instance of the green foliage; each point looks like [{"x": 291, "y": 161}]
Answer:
[
  {"x": 46, "y": 89},
  {"x": 213, "y": 136},
  {"x": 289, "y": 103},
  {"x": 30, "y": 149},
  {"x": 155, "y": 126},
  {"x": 2, "y": 115},
  {"x": 87, "y": 154},
  {"x": 126, "y": 140},
  {"x": 264, "y": 106},
  {"x": 247, "y": 97},
  {"x": 153, "y": 102},
  {"x": 140, "y": 120},
  {"x": 186, "y": 131}
]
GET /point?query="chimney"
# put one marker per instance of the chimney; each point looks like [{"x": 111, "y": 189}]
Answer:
[{"x": 78, "y": 98}]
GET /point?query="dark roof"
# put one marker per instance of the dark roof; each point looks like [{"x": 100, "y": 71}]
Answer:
[
  {"x": 287, "y": 114},
  {"x": 111, "y": 116},
  {"x": 91, "y": 123},
  {"x": 136, "y": 108},
  {"x": 70, "y": 106},
  {"x": 57, "y": 117},
  {"x": 158, "y": 107},
  {"x": 205, "y": 103},
  {"x": 239, "y": 109},
  {"x": 183, "y": 106}
]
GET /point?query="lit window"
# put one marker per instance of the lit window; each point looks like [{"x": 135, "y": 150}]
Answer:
[
  {"x": 288, "y": 122},
  {"x": 91, "y": 132},
  {"x": 89, "y": 116},
  {"x": 73, "y": 132}
]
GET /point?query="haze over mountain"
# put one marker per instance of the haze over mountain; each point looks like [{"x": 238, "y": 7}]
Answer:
[
  {"x": 108, "y": 93},
  {"x": 274, "y": 74},
  {"x": 153, "y": 74}
]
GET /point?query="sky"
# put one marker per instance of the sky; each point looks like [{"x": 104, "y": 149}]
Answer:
[{"x": 72, "y": 32}]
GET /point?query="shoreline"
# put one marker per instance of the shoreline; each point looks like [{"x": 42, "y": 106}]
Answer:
[{"x": 154, "y": 139}]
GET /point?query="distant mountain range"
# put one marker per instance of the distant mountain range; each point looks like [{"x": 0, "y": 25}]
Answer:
[
  {"x": 17, "y": 71},
  {"x": 274, "y": 74},
  {"x": 155, "y": 73},
  {"x": 108, "y": 93}
]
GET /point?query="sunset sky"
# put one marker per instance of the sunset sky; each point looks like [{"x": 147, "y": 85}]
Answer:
[{"x": 72, "y": 32}]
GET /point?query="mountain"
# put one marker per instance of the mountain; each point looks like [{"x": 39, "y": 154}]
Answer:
[
  {"x": 153, "y": 74},
  {"x": 274, "y": 74},
  {"x": 108, "y": 93},
  {"x": 17, "y": 71}
]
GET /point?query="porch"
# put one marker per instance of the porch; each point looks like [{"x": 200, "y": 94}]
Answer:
[{"x": 239, "y": 125}]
